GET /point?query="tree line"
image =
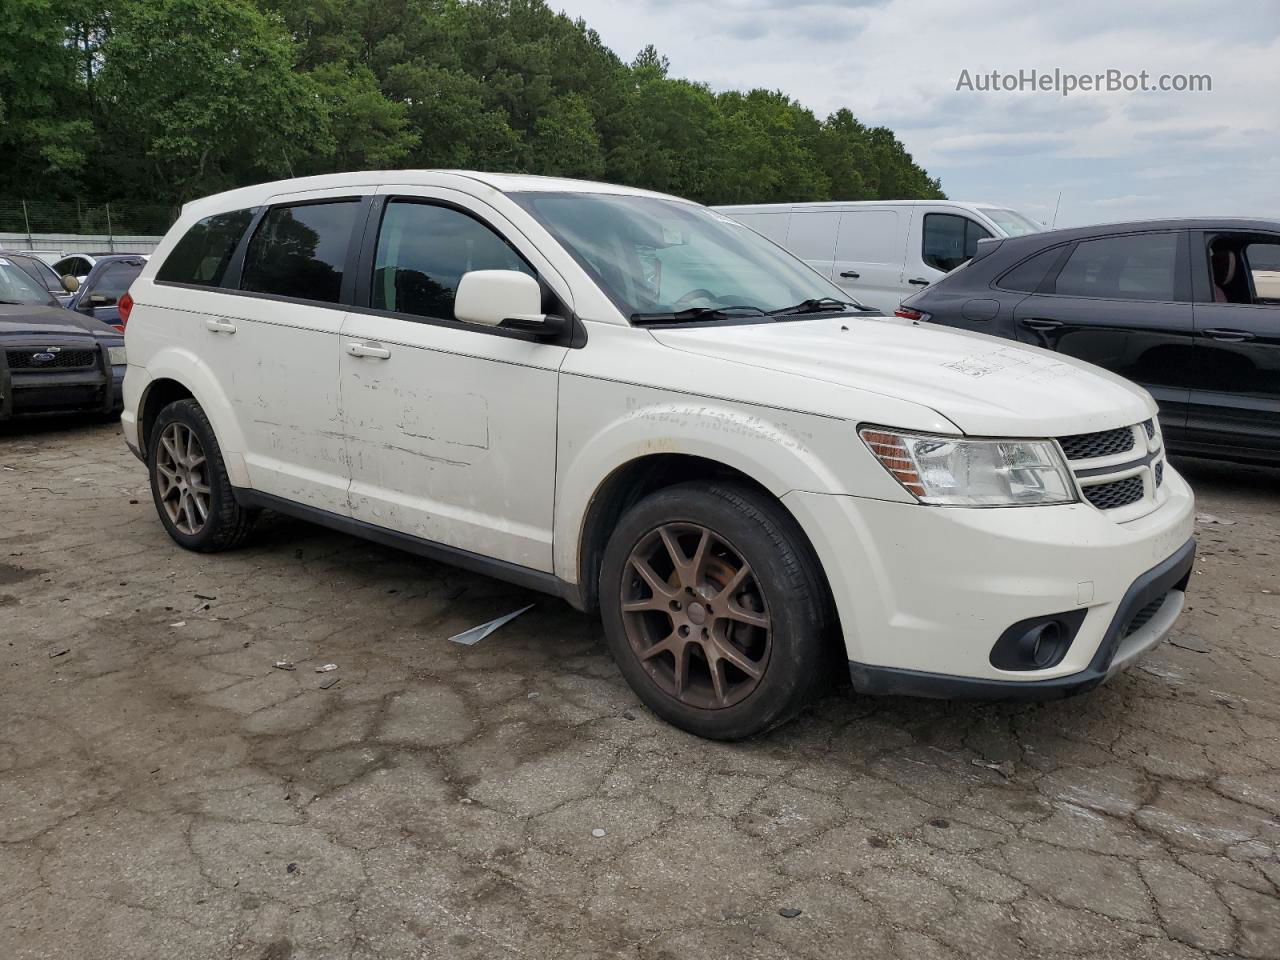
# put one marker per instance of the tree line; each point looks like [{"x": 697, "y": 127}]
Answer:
[{"x": 166, "y": 100}]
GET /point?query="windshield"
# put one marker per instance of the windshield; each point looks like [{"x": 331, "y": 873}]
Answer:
[
  {"x": 17, "y": 287},
  {"x": 655, "y": 257},
  {"x": 1011, "y": 222}
]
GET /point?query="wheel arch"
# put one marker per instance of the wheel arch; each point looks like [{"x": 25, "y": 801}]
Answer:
[
  {"x": 178, "y": 376},
  {"x": 631, "y": 481}
]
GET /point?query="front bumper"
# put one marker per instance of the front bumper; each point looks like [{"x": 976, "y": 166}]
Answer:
[
  {"x": 923, "y": 593},
  {"x": 1165, "y": 583},
  {"x": 95, "y": 389}
]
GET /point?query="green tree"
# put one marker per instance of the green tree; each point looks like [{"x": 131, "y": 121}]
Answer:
[
  {"x": 205, "y": 92},
  {"x": 46, "y": 135}
]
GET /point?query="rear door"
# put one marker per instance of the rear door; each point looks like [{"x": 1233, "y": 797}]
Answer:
[
  {"x": 1122, "y": 302},
  {"x": 1235, "y": 397},
  {"x": 811, "y": 236},
  {"x": 275, "y": 348},
  {"x": 870, "y": 249}
]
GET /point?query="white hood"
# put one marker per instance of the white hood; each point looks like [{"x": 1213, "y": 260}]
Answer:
[{"x": 986, "y": 386}]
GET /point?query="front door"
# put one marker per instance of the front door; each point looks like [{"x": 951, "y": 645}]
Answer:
[
  {"x": 450, "y": 427},
  {"x": 1123, "y": 303},
  {"x": 1235, "y": 399}
]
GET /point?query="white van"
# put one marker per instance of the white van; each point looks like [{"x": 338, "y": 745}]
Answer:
[
  {"x": 644, "y": 407},
  {"x": 880, "y": 252}
]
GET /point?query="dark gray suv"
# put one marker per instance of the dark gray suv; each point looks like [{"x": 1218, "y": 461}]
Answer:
[{"x": 1190, "y": 309}]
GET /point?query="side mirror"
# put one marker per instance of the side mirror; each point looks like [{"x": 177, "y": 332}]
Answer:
[
  {"x": 504, "y": 298},
  {"x": 70, "y": 284},
  {"x": 492, "y": 296}
]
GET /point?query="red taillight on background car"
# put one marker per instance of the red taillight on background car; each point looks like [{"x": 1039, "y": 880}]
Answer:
[
  {"x": 125, "y": 306},
  {"x": 906, "y": 313}
]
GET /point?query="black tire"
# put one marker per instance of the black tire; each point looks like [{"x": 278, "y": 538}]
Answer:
[
  {"x": 226, "y": 524},
  {"x": 789, "y": 591}
]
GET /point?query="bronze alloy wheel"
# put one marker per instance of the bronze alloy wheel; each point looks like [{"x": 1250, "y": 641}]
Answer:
[
  {"x": 181, "y": 477},
  {"x": 695, "y": 616}
]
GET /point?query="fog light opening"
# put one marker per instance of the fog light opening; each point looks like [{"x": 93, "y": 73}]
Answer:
[{"x": 1038, "y": 643}]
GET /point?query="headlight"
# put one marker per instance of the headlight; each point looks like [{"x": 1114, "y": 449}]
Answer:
[
  {"x": 116, "y": 356},
  {"x": 951, "y": 471}
]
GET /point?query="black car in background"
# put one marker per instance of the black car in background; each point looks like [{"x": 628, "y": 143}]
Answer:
[
  {"x": 53, "y": 360},
  {"x": 1190, "y": 309},
  {"x": 41, "y": 273}
]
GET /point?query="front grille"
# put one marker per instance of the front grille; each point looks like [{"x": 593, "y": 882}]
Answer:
[
  {"x": 1105, "y": 443},
  {"x": 1159, "y": 473},
  {"x": 1150, "y": 427},
  {"x": 1117, "y": 493},
  {"x": 62, "y": 360},
  {"x": 1143, "y": 616}
]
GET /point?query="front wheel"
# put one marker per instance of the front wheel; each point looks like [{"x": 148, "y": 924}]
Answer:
[
  {"x": 189, "y": 482},
  {"x": 714, "y": 609}
]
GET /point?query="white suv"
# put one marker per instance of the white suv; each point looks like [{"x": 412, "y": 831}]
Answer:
[{"x": 639, "y": 405}]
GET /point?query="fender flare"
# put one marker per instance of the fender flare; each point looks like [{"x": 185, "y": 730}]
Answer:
[{"x": 186, "y": 368}]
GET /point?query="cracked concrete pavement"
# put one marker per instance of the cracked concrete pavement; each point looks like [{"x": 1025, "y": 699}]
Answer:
[{"x": 165, "y": 791}]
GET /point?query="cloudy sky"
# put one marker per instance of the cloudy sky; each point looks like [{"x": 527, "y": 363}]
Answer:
[{"x": 897, "y": 62}]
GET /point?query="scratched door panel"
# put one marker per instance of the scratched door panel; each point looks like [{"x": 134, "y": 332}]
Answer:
[{"x": 451, "y": 438}]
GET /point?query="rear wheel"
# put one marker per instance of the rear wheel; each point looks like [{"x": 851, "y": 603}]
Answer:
[
  {"x": 189, "y": 482},
  {"x": 714, "y": 609}
]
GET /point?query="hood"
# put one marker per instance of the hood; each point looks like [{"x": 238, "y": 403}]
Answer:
[
  {"x": 985, "y": 386},
  {"x": 47, "y": 321}
]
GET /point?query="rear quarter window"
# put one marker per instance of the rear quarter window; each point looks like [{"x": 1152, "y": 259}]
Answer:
[
  {"x": 1027, "y": 276},
  {"x": 203, "y": 254}
]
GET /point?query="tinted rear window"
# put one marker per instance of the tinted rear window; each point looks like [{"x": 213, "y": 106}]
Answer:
[
  {"x": 300, "y": 251},
  {"x": 115, "y": 279},
  {"x": 1136, "y": 267},
  {"x": 202, "y": 255}
]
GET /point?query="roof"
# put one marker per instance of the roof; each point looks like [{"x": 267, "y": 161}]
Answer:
[
  {"x": 962, "y": 204},
  {"x": 364, "y": 179},
  {"x": 1049, "y": 237}
]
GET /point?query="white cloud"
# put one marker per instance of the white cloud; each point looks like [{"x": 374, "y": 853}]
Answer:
[{"x": 894, "y": 62}]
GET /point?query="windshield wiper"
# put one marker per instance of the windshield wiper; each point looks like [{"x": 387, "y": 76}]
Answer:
[
  {"x": 698, "y": 313},
  {"x": 817, "y": 305},
  {"x": 15, "y": 302}
]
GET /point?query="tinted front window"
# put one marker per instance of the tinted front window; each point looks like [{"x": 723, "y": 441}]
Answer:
[
  {"x": 202, "y": 255},
  {"x": 652, "y": 255},
  {"x": 114, "y": 280},
  {"x": 17, "y": 287},
  {"x": 301, "y": 251},
  {"x": 1026, "y": 276},
  {"x": 423, "y": 251},
  {"x": 950, "y": 240},
  {"x": 72, "y": 267},
  {"x": 40, "y": 272},
  {"x": 1136, "y": 267}
]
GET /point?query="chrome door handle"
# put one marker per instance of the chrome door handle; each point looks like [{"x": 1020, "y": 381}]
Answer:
[
  {"x": 220, "y": 326},
  {"x": 364, "y": 350},
  {"x": 1229, "y": 336}
]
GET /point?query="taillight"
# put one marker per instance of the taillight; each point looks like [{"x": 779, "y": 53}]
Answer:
[
  {"x": 906, "y": 313},
  {"x": 125, "y": 306}
]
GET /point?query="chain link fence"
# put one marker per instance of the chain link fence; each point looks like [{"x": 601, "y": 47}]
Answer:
[{"x": 99, "y": 219}]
